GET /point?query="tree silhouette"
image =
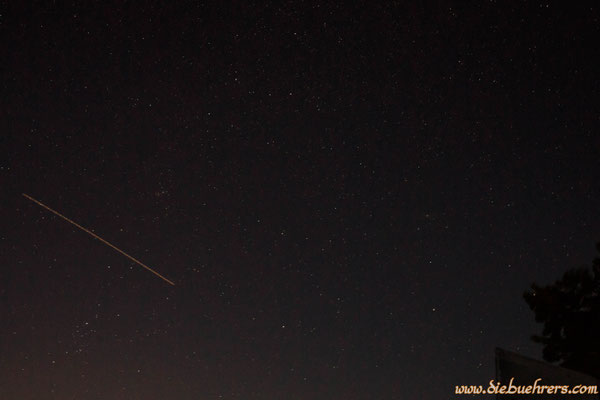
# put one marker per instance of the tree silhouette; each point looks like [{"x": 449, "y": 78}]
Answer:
[{"x": 570, "y": 311}]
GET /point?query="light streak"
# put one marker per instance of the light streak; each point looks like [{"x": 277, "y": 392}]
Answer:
[{"x": 99, "y": 238}]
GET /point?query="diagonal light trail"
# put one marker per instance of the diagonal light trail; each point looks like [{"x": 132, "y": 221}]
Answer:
[{"x": 99, "y": 238}]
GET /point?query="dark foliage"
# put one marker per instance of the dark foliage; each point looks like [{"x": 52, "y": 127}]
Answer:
[{"x": 570, "y": 312}]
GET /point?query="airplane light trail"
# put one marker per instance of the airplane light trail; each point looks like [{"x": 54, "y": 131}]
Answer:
[{"x": 98, "y": 237}]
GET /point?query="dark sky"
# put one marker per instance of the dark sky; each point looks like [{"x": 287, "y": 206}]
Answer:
[{"x": 351, "y": 199}]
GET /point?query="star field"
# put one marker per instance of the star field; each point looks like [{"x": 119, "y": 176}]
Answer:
[{"x": 350, "y": 199}]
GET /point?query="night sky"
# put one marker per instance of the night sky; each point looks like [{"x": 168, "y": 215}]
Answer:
[{"x": 350, "y": 198}]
